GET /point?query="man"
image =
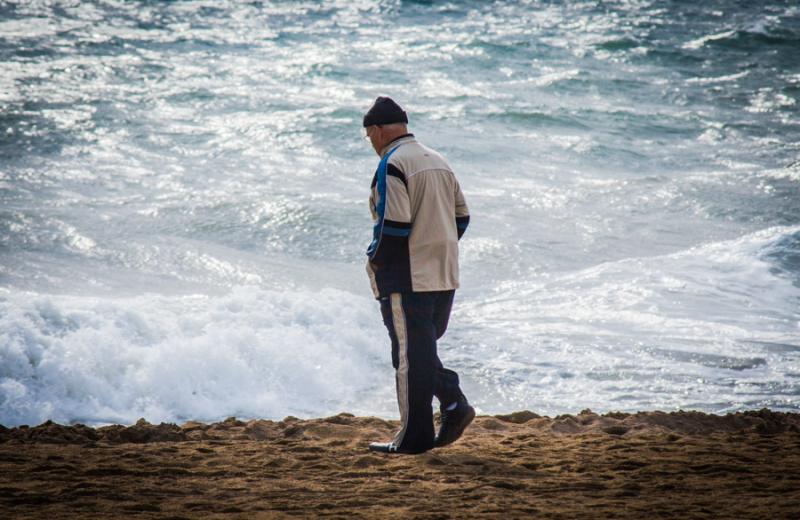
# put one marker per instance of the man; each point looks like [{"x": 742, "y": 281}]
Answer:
[{"x": 420, "y": 214}]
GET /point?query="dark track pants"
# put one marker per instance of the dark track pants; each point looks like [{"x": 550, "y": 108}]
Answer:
[{"x": 415, "y": 321}]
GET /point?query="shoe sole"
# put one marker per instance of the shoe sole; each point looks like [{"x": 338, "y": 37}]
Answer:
[
  {"x": 463, "y": 426},
  {"x": 375, "y": 449}
]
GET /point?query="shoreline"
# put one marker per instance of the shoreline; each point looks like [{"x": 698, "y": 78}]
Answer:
[
  {"x": 764, "y": 421},
  {"x": 623, "y": 465}
]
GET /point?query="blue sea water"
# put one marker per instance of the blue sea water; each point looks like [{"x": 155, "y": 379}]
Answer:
[{"x": 183, "y": 213}]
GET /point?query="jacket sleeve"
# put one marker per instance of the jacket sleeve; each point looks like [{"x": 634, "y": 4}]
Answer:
[
  {"x": 393, "y": 240},
  {"x": 462, "y": 212}
]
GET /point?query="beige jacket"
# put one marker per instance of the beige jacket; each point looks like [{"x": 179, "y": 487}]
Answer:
[{"x": 420, "y": 214}]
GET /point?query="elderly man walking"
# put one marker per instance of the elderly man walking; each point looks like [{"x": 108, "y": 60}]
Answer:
[{"x": 419, "y": 214}]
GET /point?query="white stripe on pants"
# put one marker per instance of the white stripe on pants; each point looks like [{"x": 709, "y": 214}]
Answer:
[{"x": 401, "y": 376}]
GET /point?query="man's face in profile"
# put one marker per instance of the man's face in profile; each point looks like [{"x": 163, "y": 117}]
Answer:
[{"x": 374, "y": 135}]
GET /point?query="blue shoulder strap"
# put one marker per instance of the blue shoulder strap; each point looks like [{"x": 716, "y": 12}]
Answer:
[{"x": 377, "y": 229}]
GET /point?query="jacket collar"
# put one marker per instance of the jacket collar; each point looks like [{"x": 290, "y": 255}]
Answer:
[{"x": 405, "y": 138}]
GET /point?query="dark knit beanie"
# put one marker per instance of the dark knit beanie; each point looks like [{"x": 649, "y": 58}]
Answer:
[{"x": 385, "y": 112}]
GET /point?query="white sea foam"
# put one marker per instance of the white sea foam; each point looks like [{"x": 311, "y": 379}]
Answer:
[
  {"x": 700, "y": 42},
  {"x": 718, "y": 79},
  {"x": 646, "y": 328},
  {"x": 548, "y": 78},
  {"x": 250, "y": 353}
]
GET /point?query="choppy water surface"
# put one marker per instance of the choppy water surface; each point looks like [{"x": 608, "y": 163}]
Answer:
[{"x": 183, "y": 211}]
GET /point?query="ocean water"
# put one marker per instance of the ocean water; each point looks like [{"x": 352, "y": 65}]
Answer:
[{"x": 183, "y": 212}]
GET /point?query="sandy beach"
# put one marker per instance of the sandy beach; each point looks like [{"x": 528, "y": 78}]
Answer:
[{"x": 617, "y": 465}]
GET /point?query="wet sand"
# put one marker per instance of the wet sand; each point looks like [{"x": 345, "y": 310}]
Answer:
[{"x": 649, "y": 464}]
